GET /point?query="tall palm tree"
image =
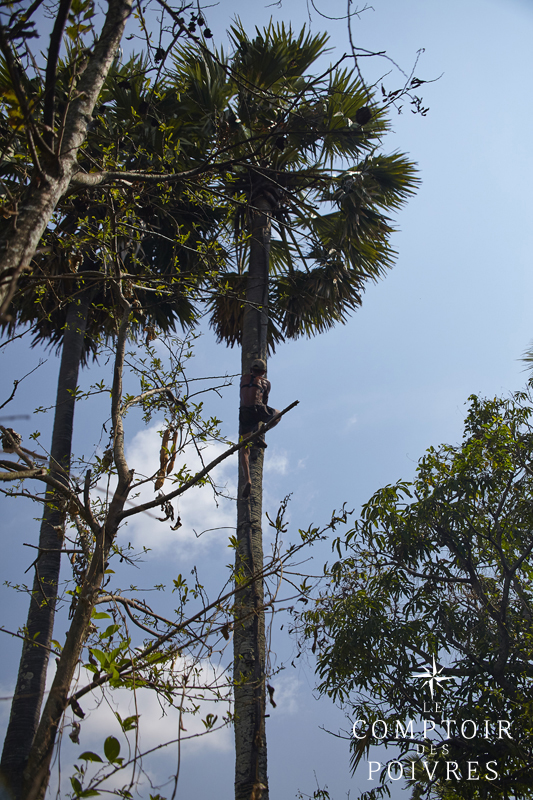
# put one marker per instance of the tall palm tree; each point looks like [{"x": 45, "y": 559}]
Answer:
[
  {"x": 69, "y": 302},
  {"x": 312, "y": 194}
]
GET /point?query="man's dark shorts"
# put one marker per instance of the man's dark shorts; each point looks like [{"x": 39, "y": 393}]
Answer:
[{"x": 250, "y": 416}]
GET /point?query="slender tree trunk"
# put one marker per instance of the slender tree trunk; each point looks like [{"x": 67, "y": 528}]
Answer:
[
  {"x": 36, "y": 774},
  {"x": 251, "y": 781},
  {"x": 29, "y": 692}
]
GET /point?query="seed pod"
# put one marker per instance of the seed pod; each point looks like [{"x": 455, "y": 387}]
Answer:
[
  {"x": 363, "y": 115},
  {"x": 173, "y": 452},
  {"x": 10, "y": 440},
  {"x": 163, "y": 460}
]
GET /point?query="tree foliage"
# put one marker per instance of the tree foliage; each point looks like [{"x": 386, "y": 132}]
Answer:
[
  {"x": 158, "y": 243},
  {"x": 53, "y": 103},
  {"x": 307, "y": 146},
  {"x": 438, "y": 571}
]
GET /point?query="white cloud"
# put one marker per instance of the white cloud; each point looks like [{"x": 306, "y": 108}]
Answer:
[
  {"x": 276, "y": 463},
  {"x": 158, "y": 721},
  {"x": 287, "y": 690},
  {"x": 206, "y": 520},
  {"x": 158, "y": 724},
  {"x": 6, "y": 693}
]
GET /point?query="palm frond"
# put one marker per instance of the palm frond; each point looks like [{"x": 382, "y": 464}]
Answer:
[
  {"x": 226, "y": 309},
  {"x": 527, "y": 358},
  {"x": 275, "y": 58},
  {"x": 308, "y": 303}
]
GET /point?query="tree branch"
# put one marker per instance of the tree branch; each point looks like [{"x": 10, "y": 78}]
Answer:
[
  {"x": 212, "y": 464},
  {"x": 51, "y": 66}
]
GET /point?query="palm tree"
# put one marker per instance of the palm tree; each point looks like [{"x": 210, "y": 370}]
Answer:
[
  {"x": 307, "y": 168},
  {"x": 159, "y": 236}
]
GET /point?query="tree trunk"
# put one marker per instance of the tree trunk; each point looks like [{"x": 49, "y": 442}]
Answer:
[
  {"x": 36, "y": 774},
  {"x": 251, "y": 781},
  {"x": 29, "y": 692}
]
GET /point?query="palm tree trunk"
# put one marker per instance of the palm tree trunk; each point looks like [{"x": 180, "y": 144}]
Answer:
[
  {"x": 31, "y": 680},
  {"x": 251, "y": 781}
]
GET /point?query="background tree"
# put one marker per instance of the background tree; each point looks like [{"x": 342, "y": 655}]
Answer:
[
  {"x": 266, "y": 82},
  {"x": 48, "y": 115},
  {"x": 166, "y": 244},
  {"x": 306, "y": 170},
  {"x": 165, "y": 240},
  {"x": 52, "y": 137},
  {"x": 440, "y": 569}
]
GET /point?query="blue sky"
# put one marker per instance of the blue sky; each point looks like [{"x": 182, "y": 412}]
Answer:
[{"x": 452, "y": 318}]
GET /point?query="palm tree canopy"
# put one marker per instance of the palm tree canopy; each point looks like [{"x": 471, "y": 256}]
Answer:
[{"x": 296, "y": 141}]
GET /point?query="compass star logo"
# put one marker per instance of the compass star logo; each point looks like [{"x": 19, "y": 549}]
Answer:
[{"x": 433, "y": 677}]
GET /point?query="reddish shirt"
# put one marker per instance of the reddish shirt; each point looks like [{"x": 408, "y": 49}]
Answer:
[{"x": 254, "y": 390}]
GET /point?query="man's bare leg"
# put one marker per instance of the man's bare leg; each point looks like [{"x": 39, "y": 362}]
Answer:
[
  {"x": 245, "y": 458},
  {"x": 245, "y": 463},
  {"x": 260, "y": 442}
]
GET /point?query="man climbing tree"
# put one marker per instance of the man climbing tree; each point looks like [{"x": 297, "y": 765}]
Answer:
[{"x": 255, "y": 389}]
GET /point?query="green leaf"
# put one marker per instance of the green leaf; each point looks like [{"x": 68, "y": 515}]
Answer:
[
  {"x": 111, "y": 748},
  {"x": 89, "y": 756},
  {"x": 100, "y": 615},
  {"x": 102, "y": 657},
  {"x": 130, "y": 723},
  {"x": 109, "y": 631},
  {"x": 209, "y": 721}
]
